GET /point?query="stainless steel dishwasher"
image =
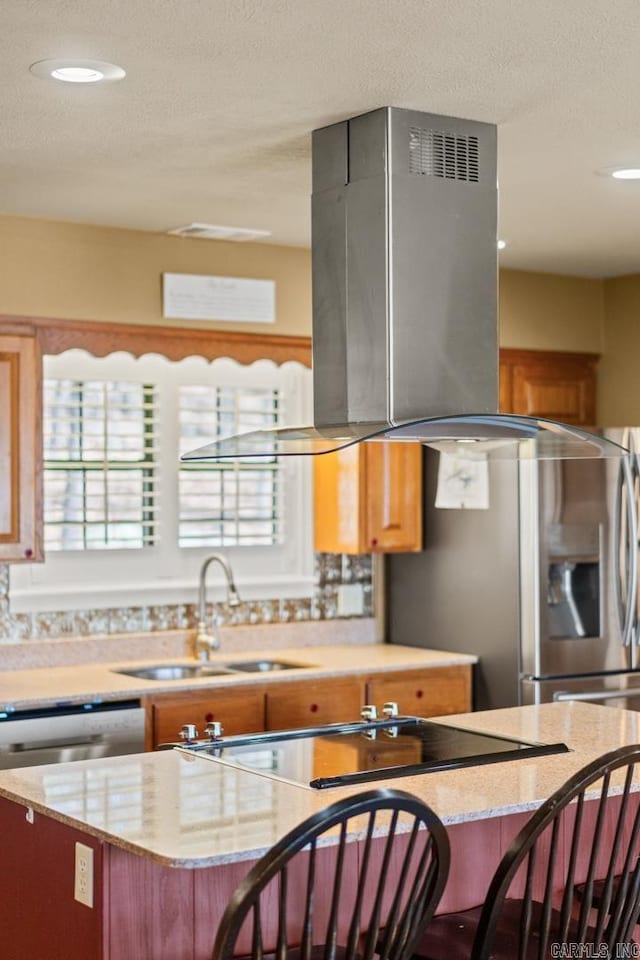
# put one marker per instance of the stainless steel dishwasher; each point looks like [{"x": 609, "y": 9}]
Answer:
[{"x": 61, "y": 733}]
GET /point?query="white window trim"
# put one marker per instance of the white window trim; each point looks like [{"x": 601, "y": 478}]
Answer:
[{"x": 96, "y": 579}]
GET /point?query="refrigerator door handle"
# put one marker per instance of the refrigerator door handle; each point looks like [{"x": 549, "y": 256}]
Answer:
[
  {"x": 632, "y": 500},
  {"x": 599, "y": 694},
  {"x": 626, "y": 537}
]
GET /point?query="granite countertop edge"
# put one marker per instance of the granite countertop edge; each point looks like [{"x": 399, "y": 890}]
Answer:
[{"x": 458, "y": 796}]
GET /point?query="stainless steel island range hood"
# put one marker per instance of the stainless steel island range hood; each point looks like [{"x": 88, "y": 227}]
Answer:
[{"x": 404, "y": 268}]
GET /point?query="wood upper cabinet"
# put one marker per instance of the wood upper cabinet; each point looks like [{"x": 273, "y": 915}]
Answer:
[
  {"x": 553, "y": 385},
  {"x": 20, "y": 449},
  {"x": 368, "y": 499}
]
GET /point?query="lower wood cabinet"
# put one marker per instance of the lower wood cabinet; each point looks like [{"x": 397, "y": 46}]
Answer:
[
  {"x": 311, "y": 703},
  {"x": 240, "y": 710},
  {"x": 308, "y": 703},
  {"x": 427, "y": 693}
]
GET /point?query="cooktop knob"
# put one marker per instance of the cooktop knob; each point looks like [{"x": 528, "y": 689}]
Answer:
[
  {"x": 390, "y": 709},
  {"x": 188, "y": 732},
  {"x": 369, "y": 712},
  {"x": 214, "y": 729}
]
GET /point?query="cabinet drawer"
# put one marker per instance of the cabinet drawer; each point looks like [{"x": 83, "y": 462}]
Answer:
[
  {"x": 240, "y": 711},
  {"x": 310, "y": 704},
  {"x": 429, "y": 693}
]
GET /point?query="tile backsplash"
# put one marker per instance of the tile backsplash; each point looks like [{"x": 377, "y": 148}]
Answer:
[{"x": 331, "y": 570}]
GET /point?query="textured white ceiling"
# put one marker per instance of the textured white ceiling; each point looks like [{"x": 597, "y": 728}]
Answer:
[{"x": 212, "y": 121}]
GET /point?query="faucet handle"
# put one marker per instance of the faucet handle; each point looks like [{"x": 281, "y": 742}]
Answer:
[
  {"x": 369, "y": 712},
  {"x": 390, "y": 709},
  {"x": 188, "y": 732},
  {"x": 214, "y": 729}
]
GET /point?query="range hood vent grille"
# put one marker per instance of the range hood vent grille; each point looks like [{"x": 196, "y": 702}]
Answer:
[{"x": 449, "y": 156}]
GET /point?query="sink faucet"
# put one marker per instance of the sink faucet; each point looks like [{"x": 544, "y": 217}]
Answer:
[{"x": 208, "y": 640}]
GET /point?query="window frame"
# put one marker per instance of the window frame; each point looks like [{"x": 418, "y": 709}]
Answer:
[{"x": 115, "y": 580}]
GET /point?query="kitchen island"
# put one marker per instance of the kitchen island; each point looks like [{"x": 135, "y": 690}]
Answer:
[{"x": 172, "y": 833}]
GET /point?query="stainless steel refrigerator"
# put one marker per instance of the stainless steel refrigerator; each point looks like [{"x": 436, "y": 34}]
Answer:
[{"x": 539, "y": 580}]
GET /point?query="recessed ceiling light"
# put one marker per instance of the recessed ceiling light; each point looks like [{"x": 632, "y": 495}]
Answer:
[
  {"x": 502, "y": 244},
  {"x": 77, "y": 71},
  {"x": 626, "y": 173}
]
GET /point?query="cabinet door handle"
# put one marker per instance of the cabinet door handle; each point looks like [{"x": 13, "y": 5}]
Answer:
[
  {"x": 419, "y": 694},
  {"x": 313, "y": 708}
]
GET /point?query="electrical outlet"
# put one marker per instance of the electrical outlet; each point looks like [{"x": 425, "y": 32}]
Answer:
[
  {"x": 83, "y": 891},
  {"x": 350, "y": 600}
]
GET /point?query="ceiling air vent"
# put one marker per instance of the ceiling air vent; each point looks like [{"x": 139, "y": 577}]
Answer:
[
  {"x": 433, "y": 153},
  {"x": 210, "y": 231}
]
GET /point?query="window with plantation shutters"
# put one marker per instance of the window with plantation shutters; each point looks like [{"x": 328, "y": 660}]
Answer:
[
  {"x": 126, "y": 522},
  {"x": 99, "y": 464},
  {"x": 234, "y": 502}
]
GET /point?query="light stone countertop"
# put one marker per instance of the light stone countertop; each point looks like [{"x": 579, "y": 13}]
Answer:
[
  {"x": 182, "y": 810},
  {"x": 21, "y": 689}
]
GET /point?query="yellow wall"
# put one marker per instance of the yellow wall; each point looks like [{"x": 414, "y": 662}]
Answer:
[
  {"x": 619, "y": 372},
  {"x": 542, "y": 311},
  {"x": 76, "y": 271},
  {"x": 81, "y": 272}
]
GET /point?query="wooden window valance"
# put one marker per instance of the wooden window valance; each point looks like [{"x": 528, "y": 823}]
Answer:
[{"x": 55, "y": 336}]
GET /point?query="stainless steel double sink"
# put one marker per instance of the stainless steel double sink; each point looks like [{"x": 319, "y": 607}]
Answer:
[{"x": 189, "y": 671}]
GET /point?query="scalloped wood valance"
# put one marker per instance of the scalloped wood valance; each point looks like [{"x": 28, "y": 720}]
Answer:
[{"x": 176, "y": 343}]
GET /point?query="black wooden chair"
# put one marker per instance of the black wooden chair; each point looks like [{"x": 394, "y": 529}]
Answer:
[
  {"x": 571, "y": 876},
  {"x": 316, "y": 894}
]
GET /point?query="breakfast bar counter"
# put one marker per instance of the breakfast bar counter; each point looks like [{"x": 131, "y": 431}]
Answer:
[
  {"x": 171, "y": 828},
  {"x": 181, "y": 810}
]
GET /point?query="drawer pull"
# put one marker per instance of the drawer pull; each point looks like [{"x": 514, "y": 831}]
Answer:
[
  {"x": 208, "y": 717},
  {"x": 419, "y": 694},
  {"x": 313, "y": 708}
]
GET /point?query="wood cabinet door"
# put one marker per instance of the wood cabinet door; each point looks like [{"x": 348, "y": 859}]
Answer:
[
  {"x": 368, "y": 499},
  {"x": 309, "y": 704},
  {"x": 429, "y": 693},
  {"x": 394, "y": 496},
  {"x": 553, "y": 385},
  {"x": 240, "y": 711},
  {"x": 339, "y": 497},
  {"x": 506, "y": 388},
  {"x": 20, "y": 450}
]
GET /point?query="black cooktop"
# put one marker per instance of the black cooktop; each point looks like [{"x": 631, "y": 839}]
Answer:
[{"x": 341, "y": 754}]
